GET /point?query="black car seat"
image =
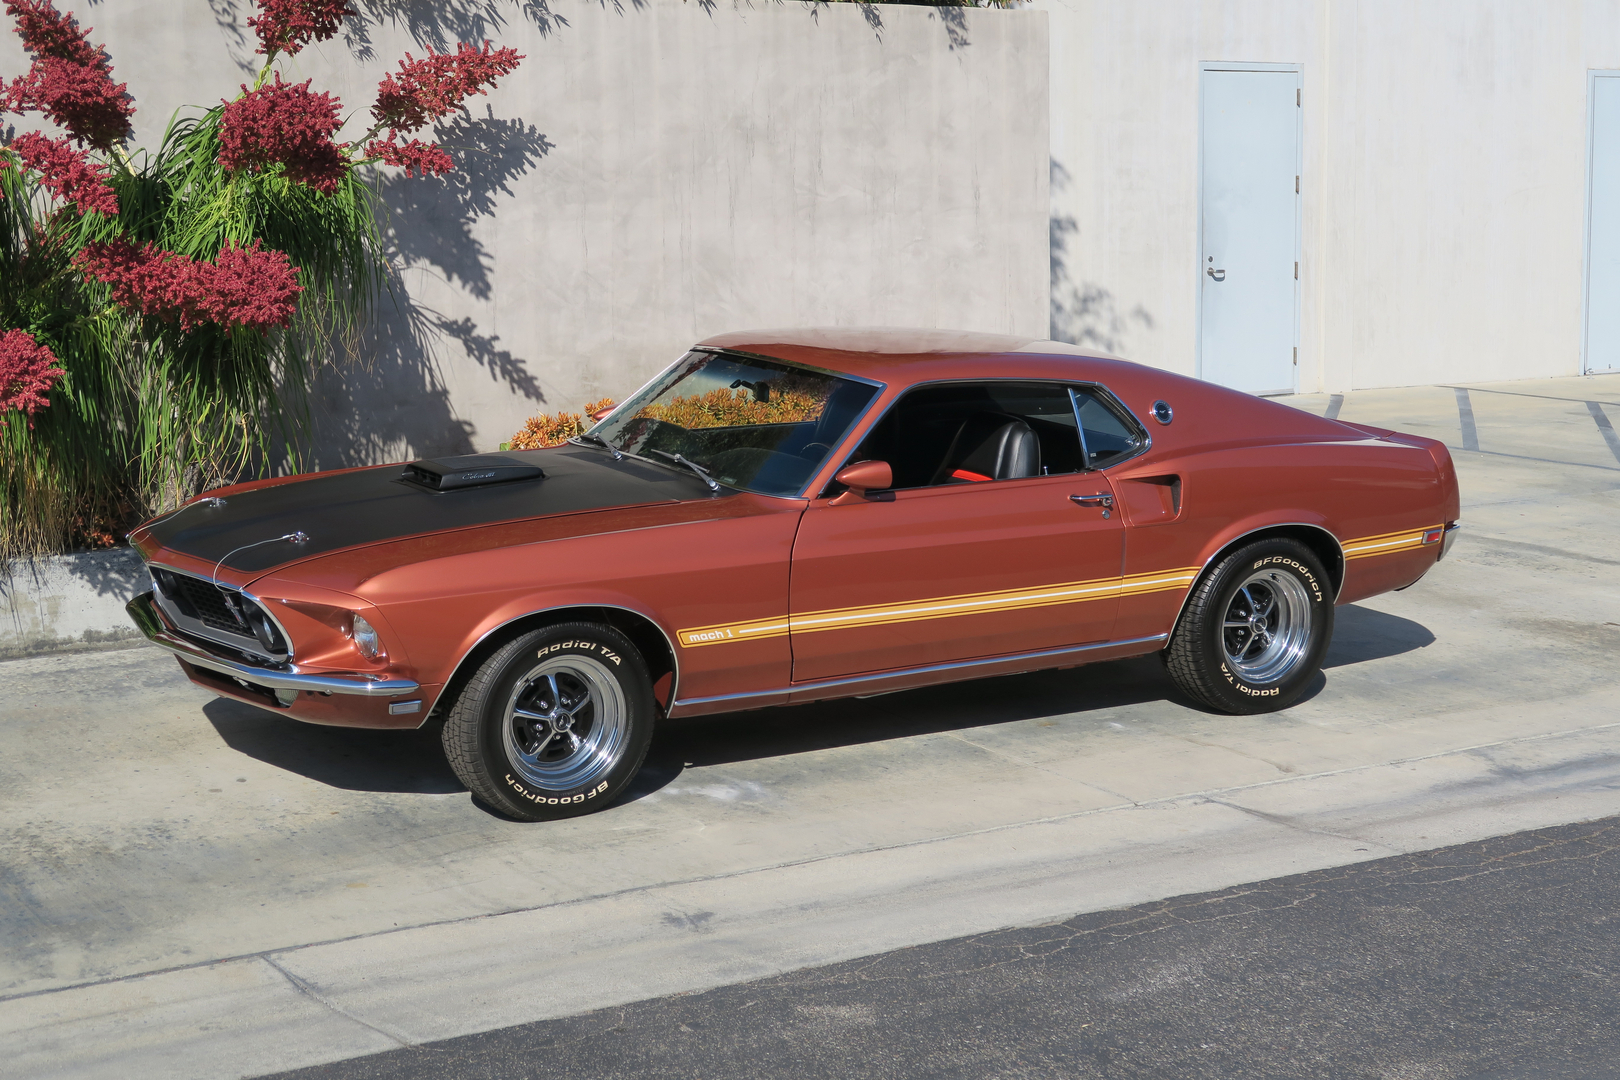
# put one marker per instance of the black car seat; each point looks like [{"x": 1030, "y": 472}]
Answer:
[{"x": 990, "y": 446}]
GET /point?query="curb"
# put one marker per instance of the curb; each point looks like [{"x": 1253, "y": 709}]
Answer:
[{"x": 69, "y": 603}]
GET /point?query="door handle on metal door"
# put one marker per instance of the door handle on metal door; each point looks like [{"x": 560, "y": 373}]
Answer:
[
  {"x": 1104, "y": 501},
  {"x": 1218, "y": 275}
]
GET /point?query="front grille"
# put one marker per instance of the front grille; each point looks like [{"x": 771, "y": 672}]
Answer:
[
  {"x": 218, "y": 614},
  {"x": 201, "y": 600}
]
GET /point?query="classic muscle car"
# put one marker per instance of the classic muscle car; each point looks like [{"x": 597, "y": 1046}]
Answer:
[{"x": 792, "y": 516}]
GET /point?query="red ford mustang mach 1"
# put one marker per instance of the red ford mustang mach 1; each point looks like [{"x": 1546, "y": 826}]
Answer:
[{"x": 791, "y": 516}]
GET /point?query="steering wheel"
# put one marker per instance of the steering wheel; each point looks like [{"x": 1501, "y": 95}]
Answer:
[{"x": 812, "y": 451}]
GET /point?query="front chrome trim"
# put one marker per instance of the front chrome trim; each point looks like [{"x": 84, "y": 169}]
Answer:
[
  {"x": 249, "y": 644},
  {"x": 674, "y": 657},
  {"x": 903, "y": 673},
  {"x": 149, "y": 620},
  {"x": 1202, "y": 570}
]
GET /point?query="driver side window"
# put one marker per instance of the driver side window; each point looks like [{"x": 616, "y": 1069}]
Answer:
[{"x": 965, "y": 433}]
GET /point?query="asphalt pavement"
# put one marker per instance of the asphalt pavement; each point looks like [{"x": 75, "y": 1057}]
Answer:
[
  {"x": 194, "y": 888},
  {"x": 1493, "y": 960}
]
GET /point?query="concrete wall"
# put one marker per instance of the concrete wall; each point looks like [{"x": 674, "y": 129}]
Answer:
[
  {"x": 66, "y": 602},
  {"x": 1443, "y": 184},
  {"x": 654, "y": 173}
]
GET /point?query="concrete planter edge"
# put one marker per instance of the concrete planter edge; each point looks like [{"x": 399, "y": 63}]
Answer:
[{"x": 64, "y": 603}]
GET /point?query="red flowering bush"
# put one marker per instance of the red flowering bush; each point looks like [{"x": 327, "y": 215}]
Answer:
[
  {"x": 46, "y": 32},
  {"x": 70, "y": 81},
  {"x": 424, "y": 158},
  {"x": 245, "y": 287},
  {"x": 288, "y": 25},
  {"x": 190, "y": 292},
  {"x": 250, "y": 287},
  {"x": 65, "y": 172},
  {"x": 27, "y": 372},
  {"x": 285, "y": 124},
  {"x": 436, "y": 85},
  {"x": 429, "y": 89}
]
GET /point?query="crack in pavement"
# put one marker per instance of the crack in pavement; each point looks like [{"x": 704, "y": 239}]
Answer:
[{"x": 306, "y": 990}]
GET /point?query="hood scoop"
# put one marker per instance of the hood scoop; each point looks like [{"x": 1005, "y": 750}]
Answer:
[{"x": 469, "y": 471}]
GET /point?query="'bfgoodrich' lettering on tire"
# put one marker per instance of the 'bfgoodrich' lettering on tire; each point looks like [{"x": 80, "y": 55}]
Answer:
[
  {"x": 561, "y": 800},
  {"x": 1300, "y": 568}
]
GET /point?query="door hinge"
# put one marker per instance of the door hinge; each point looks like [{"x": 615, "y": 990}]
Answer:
[
  {"x": 1299, "y": 96},
  {"x": 1296, "y": 271},
  {"x": 1296, "y": 184},
  {"x": 1296, "y": 356}
]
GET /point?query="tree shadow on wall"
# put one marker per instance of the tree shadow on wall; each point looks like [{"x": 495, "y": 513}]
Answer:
[
  {"x": 390, "y": 399},
  {"x": 442, "y": 23},
  {"x": 431, "y": 217},
  {"x": 1084, "y": 313}
]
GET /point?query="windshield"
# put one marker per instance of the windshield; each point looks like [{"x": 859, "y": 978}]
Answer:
[{"x": 761, "y": 425}]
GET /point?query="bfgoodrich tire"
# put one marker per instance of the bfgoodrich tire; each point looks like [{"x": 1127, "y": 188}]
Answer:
[
  {"x": 1255, "y": 629},
  {"x": 554, "y": 724}
]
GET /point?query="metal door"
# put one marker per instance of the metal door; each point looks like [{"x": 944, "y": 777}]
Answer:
[
  {"x": 1603, "y": 225},
  {"x": 948, "y": 573},
  {"x": 1249, "y": 137}
]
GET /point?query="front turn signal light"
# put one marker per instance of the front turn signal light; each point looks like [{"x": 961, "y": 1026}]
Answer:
[{"x": 365, "y": 638}]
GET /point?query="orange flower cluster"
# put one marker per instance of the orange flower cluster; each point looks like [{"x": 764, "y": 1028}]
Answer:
[
  {"x": 539, "y": 432},
  {"x": 737, "y": 408}
]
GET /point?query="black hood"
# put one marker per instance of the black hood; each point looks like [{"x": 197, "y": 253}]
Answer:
[{"x": 371, "y": 505}]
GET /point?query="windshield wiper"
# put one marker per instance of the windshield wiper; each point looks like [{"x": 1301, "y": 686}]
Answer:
[
  {"x": 694, "y": 466},
  {"x": 618, "y": 455}
]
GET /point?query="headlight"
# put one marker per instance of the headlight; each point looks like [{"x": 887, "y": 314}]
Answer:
[
  {"x": 365, "y": 638},
  {"x": 265, "y": 630}
]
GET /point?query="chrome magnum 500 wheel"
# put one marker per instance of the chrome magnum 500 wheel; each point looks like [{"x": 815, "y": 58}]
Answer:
[
  {"x": 1255, "y": 629},
  {"x": 553, "y": 724}
]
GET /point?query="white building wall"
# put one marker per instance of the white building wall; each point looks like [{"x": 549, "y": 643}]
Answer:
[
  {"x": 1443, "y": 185},
  {"x": 654, "y": 173}
]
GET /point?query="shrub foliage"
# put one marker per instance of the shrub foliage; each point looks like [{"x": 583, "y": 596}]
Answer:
[{"x": 162, "y": 312}]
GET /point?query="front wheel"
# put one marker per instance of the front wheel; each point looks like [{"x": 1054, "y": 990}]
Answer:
[
  {"x": 1255, "y": 629},
  {"x": 554, "y": 724}
]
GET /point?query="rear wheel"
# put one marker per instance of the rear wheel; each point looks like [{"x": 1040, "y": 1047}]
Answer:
[
  {"x": 554, "y": 724},
  {"x": 1255, "y": 629}
]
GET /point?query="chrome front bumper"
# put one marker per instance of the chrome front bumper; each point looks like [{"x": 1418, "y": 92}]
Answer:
[{"x": 149, "y": 620}]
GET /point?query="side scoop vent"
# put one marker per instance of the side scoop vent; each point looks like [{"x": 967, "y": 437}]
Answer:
[{"x": 472, "y": 470}]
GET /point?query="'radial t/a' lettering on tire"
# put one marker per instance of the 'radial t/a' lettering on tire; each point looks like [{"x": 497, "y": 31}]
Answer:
[
  {"x": 554, "y": 724},
  {"x": 1255, "y": 629}
]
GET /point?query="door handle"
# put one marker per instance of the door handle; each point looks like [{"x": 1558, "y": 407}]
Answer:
[
  {"x": 1104, "y": 501},
  {"x": 1218, "y": 275}
]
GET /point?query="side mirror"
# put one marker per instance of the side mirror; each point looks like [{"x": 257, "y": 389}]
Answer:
[{"x": 861, "y": 477}]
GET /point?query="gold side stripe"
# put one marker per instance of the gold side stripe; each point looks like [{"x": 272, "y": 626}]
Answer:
[
  {"x": 727, "y": 632},
  {"x": 944, "y": 607},
  {"x": 1387, "y": 543}
]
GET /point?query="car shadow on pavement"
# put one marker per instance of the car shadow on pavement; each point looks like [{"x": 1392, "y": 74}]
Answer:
[
  {"x": 1090, "y": 692},
  {"x": 1361, "y": 634},
  {"x": 355, "y": 759},
  {"x": 412, "y": 762}
]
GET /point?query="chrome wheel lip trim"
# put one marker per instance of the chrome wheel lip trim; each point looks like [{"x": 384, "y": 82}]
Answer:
[
  {"x": 1233, "y": 545},
  {"x": 597, "y": 751},
  {"x": 1289, "y": 631}
]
